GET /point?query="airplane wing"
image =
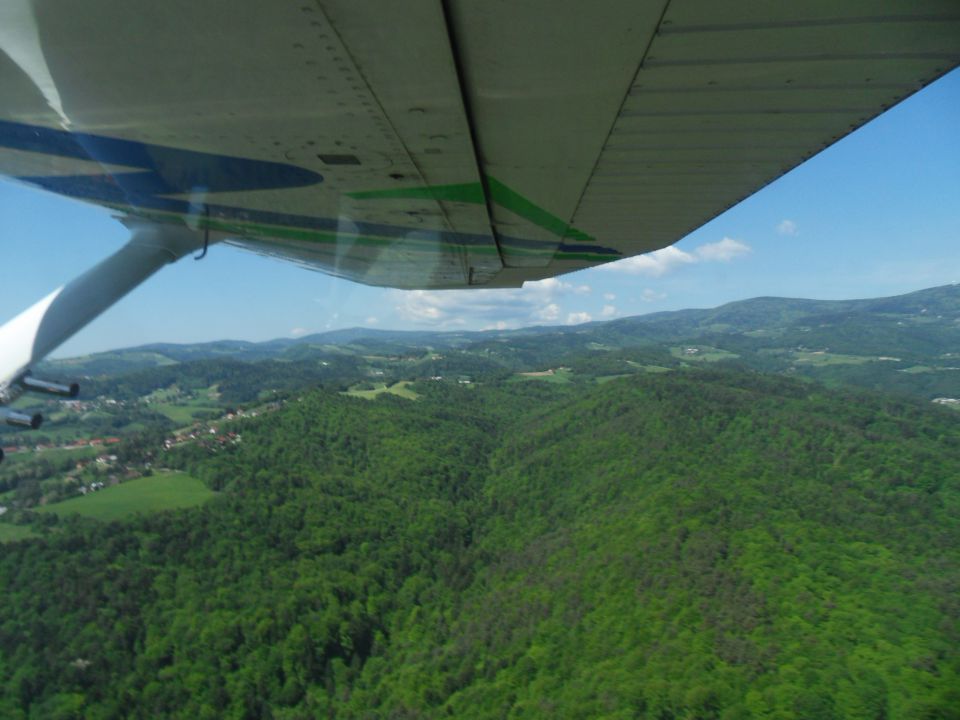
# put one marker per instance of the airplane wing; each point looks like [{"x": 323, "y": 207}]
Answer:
[
  {"x": 442, "y": 144},
  {"x": 447, "y": 144}
]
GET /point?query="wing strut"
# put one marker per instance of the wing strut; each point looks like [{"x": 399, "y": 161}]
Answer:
[
  {"x": 206, "y": 234},
  {"x": 41, "y": 328}
]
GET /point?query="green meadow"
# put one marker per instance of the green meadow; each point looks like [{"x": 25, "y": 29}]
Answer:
[
  {"x": 401, "y": 389},
  {"x": 167, "y": 491},
  {"x": 702, "y": 353},
  {"x": 825, "y": 358},
  {"x": 11, "y": 533},
  {"x": 184, "y": 414},
  {"x": 560, "y": 376}
]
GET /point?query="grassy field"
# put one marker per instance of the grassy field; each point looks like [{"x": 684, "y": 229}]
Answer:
[
  {"x": 149, "y": 494},
  {"x": 162, "y": 395},
  {"x": 703, "y": 353},
  {"x": 182, "y": 406},
  {"x": 825, "y": 358},
  {"x": 401, "y": 388},
  {"x": 53, "y": 455},
  {"x": 69, "y": 431},
  {"x": 11, "y": 533},
  {"x": 182, "y": 414},
  {"x": 560, "y": 375},
  {"x": 649, "y": 368}
]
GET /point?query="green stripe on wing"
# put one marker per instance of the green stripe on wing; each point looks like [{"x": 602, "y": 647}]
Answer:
[{"x": 500, "y": 194}]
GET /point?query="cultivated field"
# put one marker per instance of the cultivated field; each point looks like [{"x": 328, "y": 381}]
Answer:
[
  {"x": 401, "y": 388},
  {"x": 167, "y": 491},
  {"x": 11, "y": 533}
]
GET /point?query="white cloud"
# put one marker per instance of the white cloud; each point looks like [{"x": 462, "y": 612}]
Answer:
[
  {"x": 372, "y": 320},
  {"x": 550, "y": 312},
  {"x": 608, "y": 311},
  {"x": 787, "y": 227},
  {"x": 660, "y": 262},
  {"x": 654, "y": 264},
  {"x": 535, "y": 302},
  {"x": 723, "y": 251},
  {"x": 499, "y": 325},
  {"x": 609, "y": 297},
  {"x": 650, "y": 295},
  {"x": 575, "y": 318},
  {"x": 298, "y": 332},
  {"x": 422, "y": 305}
]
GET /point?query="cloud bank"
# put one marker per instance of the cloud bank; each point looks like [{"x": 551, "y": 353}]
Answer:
[
  {"x": 534, "y": 303},
  {"x": 660, "y": 262},
  {"x": 548, "y": 301}
]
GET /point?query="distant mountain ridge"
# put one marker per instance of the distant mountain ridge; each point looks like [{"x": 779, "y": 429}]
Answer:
[
  {"x": 739, "y": 316},
  {"x": 907, "y": 343}
]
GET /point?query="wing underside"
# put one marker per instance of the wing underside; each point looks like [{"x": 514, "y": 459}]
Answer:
[{"x": 429, "y": 144}]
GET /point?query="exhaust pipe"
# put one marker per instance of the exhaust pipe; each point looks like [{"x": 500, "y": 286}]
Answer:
[
  {"x": 50, "y": 388},
  {"x": 20, "y": 420}
]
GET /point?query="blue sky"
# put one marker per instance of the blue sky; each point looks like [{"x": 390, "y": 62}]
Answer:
[{"x": 876, "y": 214}]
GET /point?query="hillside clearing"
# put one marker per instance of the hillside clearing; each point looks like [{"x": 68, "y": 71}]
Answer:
[
  {"x": 168, "y": 491},
  {"x": 400, "y": 389}
]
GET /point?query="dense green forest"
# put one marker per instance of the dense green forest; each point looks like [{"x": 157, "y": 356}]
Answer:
[{"x": 699, "y": 543}]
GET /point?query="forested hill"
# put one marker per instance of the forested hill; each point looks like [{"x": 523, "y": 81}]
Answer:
[
  {"x": 925, "y": 321},
  {"x": 908, "y": 344},
  {"x": 694, "y": 544}
]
